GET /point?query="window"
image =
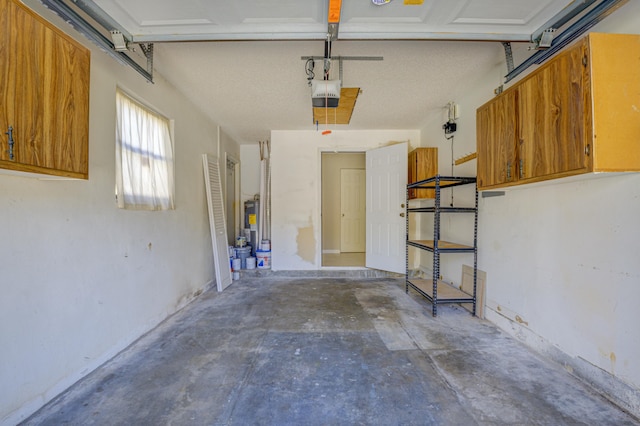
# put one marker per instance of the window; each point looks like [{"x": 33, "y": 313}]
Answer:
[{"x": 144, "y": 157}]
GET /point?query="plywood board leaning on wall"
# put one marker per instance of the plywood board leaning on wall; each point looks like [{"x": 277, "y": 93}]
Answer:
[{"x": 467, "y": 287}]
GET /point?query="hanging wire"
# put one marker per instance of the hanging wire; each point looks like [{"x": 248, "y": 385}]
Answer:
[{"x": 308, "y": 68}]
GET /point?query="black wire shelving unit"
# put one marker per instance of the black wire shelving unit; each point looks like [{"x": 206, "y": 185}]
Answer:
[{"x": 435, "y": 290}]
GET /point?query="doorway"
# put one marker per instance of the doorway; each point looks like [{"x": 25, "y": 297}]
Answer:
[{"x": 343, "y": 209}]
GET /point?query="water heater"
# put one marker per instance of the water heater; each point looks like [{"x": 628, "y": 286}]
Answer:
[{"x": 251, "y": 219}]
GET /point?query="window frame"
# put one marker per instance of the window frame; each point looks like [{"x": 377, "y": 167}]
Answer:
[{"x": 145, "y": 156}]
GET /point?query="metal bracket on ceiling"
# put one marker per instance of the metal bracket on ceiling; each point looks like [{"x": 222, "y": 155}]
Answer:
[
  {"x": 332, "y": 31},
  {"x": 344, "y": 58},
  {"x": 508, "y": 54},
  {"x": 147, "y": 49},
  {"x": 545, "y": 40}
]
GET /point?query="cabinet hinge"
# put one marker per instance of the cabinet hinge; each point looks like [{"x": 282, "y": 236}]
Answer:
[{"x": 10, "y": 142}]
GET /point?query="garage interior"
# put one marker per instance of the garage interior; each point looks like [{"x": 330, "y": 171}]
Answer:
[{"x": 111, "y": 315}]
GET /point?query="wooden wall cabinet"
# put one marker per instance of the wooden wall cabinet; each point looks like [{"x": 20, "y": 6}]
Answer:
[
  {"x": 423, "y": 164},
  {"x": 575, "y": 114},
  {"x": 44, "y": 96}
]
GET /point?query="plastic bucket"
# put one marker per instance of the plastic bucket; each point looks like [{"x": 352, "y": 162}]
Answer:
[
  {"x": 251, "y": 263},
  {"x": 236, "y": 264},
  {"x": 264, "y": 259},
  {"x": 242, "y": 253}
]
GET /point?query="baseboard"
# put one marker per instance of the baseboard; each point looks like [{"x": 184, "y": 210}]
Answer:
[
  {"x": 337, "y": 272},
  {"x": 610, "y": 387}
]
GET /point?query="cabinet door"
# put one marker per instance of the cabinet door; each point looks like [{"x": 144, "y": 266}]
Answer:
[
  {"x": 552, "y": 118},
  {"x": 7, "y": 77},
  {"x": 44, "y": 95},
  {"x": 423, "y": 164},
  {"x": 412, "y": 174},
  {"x": 496, "y": 140},
  {"x": 65, "y": 114},
  {"x": 26, "y": 105}
]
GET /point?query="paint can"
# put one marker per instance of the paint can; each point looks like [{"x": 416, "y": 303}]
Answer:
[
  {"x": 236, "y": 275},
  {"x": 241, "y": 241},
  {"x": 264, "y": 259},
  {"x": 251, "y": 263},
  {"x": 236, "y": 264},
  {"x": 242, "y": 253},
  {"x": 265, "y": 245}
]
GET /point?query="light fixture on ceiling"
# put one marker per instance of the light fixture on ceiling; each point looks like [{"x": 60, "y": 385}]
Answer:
[{"x": 380, "y": 2}]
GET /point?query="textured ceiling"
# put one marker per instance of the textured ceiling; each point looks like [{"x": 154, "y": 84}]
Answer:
[
  {"x": 250, "y": 88},
  {"x": 240, "y": 61}
]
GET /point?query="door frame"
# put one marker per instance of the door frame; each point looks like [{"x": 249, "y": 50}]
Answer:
[{"x": 330, "y": 150}]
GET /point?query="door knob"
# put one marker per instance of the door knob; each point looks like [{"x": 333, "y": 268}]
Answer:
[{"x": 401, "y": 214}]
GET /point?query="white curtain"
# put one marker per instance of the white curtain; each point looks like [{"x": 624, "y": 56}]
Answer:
[{"x": 144, "y": 157}]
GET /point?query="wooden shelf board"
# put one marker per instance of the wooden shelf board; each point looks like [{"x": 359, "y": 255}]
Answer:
[
  {"x": 442, "y": 245},
  {"x": 446, "y": 292},
  {"x": 466, "y": 158}
]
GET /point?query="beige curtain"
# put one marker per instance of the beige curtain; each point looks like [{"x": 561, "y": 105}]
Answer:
[{"x": 144, "y": 157}]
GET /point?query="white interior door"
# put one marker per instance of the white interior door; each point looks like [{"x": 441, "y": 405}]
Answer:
[
  {"x": 386, "y": 196},
  {"x": 217, "y": 223},
  {"x": 352, "y": 210}
]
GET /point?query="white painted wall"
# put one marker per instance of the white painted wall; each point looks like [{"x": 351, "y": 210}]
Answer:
[
  {"x": 561, "y": 259},
  {"x": 296, "y": 192},
  {"x": 82, "y": 279}
]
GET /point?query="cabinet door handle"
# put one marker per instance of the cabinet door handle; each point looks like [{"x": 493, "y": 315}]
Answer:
[
  {"x": 401, "y": 214},
  {"x": 521, "y": 169},
  {"x": 509, "y": 171},
  {"x": 587, "y": 150},
  {"x": 11, "y": 142}
]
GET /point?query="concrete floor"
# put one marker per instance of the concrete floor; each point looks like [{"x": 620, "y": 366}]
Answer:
[{"x": 291, "y": 351}]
